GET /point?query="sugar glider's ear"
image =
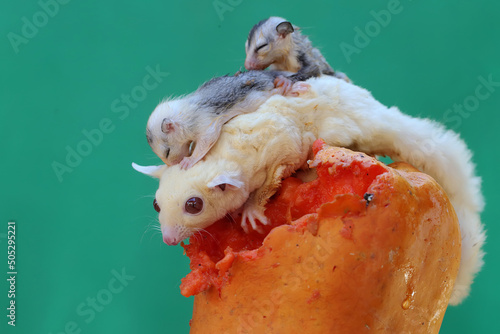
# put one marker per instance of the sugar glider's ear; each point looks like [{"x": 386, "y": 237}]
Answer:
[
  {"x": 154, "y": 171},
  {"x": 284, "y": 28},
  {"x": 231, "y": 180},
  {"x": 167, "y": 126}
]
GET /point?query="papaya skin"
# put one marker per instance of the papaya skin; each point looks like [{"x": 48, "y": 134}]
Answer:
[{"x": 378, "y": 254}]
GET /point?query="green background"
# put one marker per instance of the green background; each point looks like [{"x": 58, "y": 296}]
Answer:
[{"x": 74, "y": 73}]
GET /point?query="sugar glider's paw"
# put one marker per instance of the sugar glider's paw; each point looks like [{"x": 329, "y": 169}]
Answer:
[
  {"x": 187, "y": 162},
  {"x": 298, "y": 89},
  {"x": 283, "y": 85},
  {"x": 253, "y": 213}
]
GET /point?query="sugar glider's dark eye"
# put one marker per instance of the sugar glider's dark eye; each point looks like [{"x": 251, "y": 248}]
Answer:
[
  {"x": 156, "y": 206},
  {"x": 194, "y": 205},
  {"x": 167, "y": 153}
]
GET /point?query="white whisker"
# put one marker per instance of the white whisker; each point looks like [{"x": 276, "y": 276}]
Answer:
[{"x": 153, "y": 226}]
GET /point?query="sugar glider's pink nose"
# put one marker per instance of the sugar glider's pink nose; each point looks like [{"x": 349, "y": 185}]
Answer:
[
  {"x": 253, "y": 64},
  {"x": 171, "y": 241},
  {"x": 170, "y": 236},
  {"x": 250, "y": 64}
]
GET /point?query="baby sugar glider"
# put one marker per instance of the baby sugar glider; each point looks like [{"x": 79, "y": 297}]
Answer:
[
  {"x": 178, "y": 125},
  {"x": 276, "y": 43}
]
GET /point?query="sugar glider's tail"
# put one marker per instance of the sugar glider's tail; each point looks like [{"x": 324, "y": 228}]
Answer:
[
  {"x": 441, "y": 153},
  {"x": 355, "y": 119}
]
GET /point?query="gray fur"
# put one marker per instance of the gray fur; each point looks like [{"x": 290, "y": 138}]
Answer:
[
  {"x": 254, "y": 28},
  {"x": 198, "y": 117},
  {"x": 223, "y": 93},
  {"x": 293, "y": 53},
  {"x": 312, "y": 63}
]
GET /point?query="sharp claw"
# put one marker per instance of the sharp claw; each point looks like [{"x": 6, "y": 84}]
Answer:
[
  {"x": 279, "y": 81},
  {"x": 264, "y": 220},
  {"x": 253, "y": 223},
  {"x": 284, "y": 84},
  {"x": 244, "y": 225},
  {"x": 252, "y": 215}
]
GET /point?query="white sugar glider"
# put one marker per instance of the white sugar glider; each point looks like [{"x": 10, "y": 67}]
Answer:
[
  {"x": 255, "y": 151},
  {"x": 276, "y": 43},
  {"x": 196, "y": 119}
]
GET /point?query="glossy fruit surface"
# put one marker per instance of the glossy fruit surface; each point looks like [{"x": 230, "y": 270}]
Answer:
[{"x": 363, "y": 248}]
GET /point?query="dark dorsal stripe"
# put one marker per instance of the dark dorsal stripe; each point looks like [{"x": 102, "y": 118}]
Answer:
[
  {"x": 303, "y": 59},
  {"x": 254, "y": 28}
]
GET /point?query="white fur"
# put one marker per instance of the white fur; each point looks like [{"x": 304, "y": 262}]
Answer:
[
  {"x": 255, "y": 150},
  {"x": 191, "y": 123}
]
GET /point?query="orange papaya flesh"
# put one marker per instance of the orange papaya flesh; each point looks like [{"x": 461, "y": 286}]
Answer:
[
  {"x": 364, "y": 246},
  {"x": 225, "y": 238}
]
